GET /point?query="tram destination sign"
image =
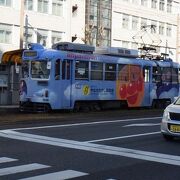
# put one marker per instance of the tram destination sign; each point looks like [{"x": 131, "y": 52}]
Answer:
[{"x": 30, "y": 54}]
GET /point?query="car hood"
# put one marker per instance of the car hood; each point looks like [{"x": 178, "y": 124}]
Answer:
[{"x": 173, "y": 108}]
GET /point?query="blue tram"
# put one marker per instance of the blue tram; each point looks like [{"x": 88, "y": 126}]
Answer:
[{"x": 77, "y": 76}]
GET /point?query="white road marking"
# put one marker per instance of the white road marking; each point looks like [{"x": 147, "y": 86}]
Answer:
[
  {"x": 142, "y": 124},
  {"x": 97, "y": 148},
  {"x": 62, "y": 175},
  {"x": 123, "y": 137},
  {"x": 6, "y": 159},
  {"x": 89, "y": 123},
  {"x": 22, "y": 168}
]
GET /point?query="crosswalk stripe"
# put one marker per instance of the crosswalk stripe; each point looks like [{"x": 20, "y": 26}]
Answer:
[
  {"x": 21, "y": 168},
  {"x": 62, "y": 175},
  {"x": 97, "y": 148},
  {"x": 6, "y": 159}
]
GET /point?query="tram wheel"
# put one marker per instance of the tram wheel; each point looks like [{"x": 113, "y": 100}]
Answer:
[
  {"x": 76, "y": 107},
  {"x": 47, "y": 108}
]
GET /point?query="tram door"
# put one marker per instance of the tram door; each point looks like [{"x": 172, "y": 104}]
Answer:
[
  {"x": 146, "y": 72},
  {"x": 66, "y": 83}
]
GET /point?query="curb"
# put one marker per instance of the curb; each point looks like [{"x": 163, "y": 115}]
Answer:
[{"x": 9, "y": 109}]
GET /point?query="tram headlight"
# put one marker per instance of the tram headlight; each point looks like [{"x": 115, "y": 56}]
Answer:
[
  {"x": 166, "y": 116},
  {"x": 42, "y": 93}
]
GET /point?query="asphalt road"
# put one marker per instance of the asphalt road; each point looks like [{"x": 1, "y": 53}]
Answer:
[{"x": 109, "y": 145}]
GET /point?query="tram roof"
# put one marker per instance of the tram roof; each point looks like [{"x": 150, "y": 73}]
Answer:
[{"x": 12, "y": 57}]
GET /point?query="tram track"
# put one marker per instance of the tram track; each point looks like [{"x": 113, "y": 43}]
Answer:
[{"x": 69, "y": 116}]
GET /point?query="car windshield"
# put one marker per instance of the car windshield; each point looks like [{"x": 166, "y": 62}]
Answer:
[
  {"x": 177, "y": 102},
  {"x": 39, "y": 69}
]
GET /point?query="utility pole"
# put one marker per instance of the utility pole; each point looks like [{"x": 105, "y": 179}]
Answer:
[
  {"x": 21, "y": 24},
  {"x": 178, "y": 39},
  {"x": 26, "y": 32}
]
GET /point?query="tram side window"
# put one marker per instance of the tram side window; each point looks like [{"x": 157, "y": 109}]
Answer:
[
  {"x": 156, "y": 76},
  {"x": 96, "y": 71},
  {"x": 146, "y": 73},
  {"x": 63, "y": 69},
  {"x": 39, "y": 69},
  {"x": 66, "y": 69},
  {"x": 57, "y": 69},
  {"x": 110, "y": 72},
  {"x": 166, "y": 74},
  {"x": 123, "y": 72},
  {"x": 175, "y": 75},
  {"x": 25, "y": 69},
  {"x": 81, "y": 70}
]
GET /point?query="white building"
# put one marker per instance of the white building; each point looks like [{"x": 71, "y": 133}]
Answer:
[
  {"x": 50, "y": 21},
  {"x": 159, "y": 16}
]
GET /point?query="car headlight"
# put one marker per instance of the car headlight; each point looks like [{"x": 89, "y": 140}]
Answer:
[{"x": 166, "y": 116}]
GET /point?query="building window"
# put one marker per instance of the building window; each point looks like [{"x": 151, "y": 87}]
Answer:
[
  {"x": 169, "y": 30},
  {"x": 28, "y": 35},
  {"x": 6, "y": 3},
  {"x": 42, "y": 37},
  {"x": 93, "y": 15},
  {"x": 169, "y": 6},
  {"x": 161, "y": 5},
  {"x": 144, "y": 2},
  {"x": 57, "y": 7},
  {"x": 134, "y": 45},
  {"x": 105, "y": 40},
  {"x": 43, "y": 6},
  {"x": 143, "y": 23},
  {"x": 153, "y": 27},
  {"x": 5, "y": 33},
  {"x": 125, "y": 44},
  {"x": 98, "y": 20},
  {"x": 125, "y": 21},
  {"x": 28, "y": 4},
  {"x": 154, "y": 4},
  {"x": 135, "y": 2},
  {"x": 161, "y": 28},
  {"x": 56, "y": 37},
  {"x": 134, "y": 23}
]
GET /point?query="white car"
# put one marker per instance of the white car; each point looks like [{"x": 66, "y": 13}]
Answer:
[{"x": 170, "y": 125}]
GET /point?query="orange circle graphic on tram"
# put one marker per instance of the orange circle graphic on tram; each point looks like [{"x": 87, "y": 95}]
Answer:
[{"x": 130, "y": 85}]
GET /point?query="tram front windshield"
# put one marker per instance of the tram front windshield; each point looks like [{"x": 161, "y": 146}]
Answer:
[{"x": 38, "y": 69}]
